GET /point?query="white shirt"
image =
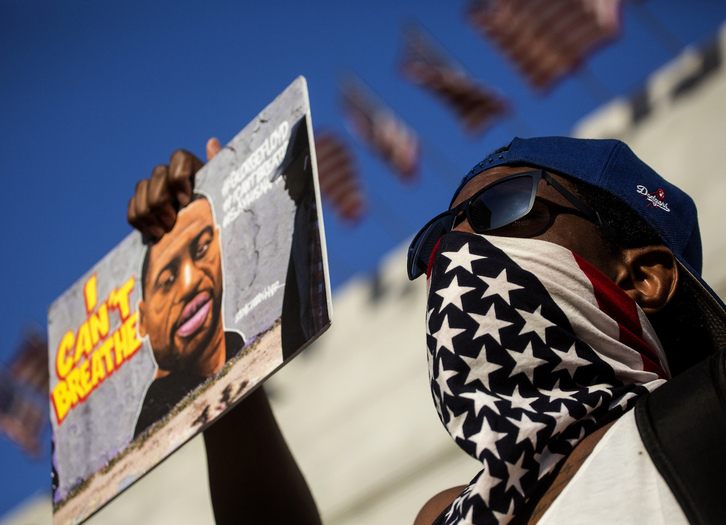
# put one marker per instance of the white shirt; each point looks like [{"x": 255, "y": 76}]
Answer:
[{"x": 617, "y": 484}]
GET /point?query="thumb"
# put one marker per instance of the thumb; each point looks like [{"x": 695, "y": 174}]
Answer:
[{"x": 213, "y": 147}]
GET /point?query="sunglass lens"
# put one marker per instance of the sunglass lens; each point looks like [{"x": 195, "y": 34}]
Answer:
[
  {"x": 496, "y": 206},
  {"x": 502, "y": 204}
]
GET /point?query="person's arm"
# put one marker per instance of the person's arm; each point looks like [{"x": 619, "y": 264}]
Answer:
[{"x": 253, "y": 477}]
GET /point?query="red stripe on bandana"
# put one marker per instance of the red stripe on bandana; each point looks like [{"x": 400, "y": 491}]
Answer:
[
  {"x": 431, "y": 259},
  {"x": 618, "y": 305}
]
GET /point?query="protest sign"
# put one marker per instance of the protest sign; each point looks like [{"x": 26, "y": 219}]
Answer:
[{"x": 157, "y": 340}]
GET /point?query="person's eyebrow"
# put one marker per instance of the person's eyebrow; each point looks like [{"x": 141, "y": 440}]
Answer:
[
  {"x": 208, "y": 230},
  {"x": 172, "y": 265}
]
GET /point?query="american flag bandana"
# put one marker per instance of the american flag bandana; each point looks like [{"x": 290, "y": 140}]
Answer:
[{"x": 530, "y": 349}]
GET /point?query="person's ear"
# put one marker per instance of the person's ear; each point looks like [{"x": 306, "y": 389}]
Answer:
[
  {"x": 649, "y": 275},
  {"x": 142, "y": 319}
]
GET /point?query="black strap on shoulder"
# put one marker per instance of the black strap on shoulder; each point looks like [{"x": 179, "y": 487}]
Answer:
[
  {"x": 440, "y": 518},
  {"x": 683, "y": 427}
]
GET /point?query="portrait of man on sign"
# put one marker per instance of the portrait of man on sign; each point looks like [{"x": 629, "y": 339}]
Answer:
[{"x": 180, "y": 310}]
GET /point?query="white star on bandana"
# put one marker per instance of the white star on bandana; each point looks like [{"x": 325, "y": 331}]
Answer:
[
  {"x": 518, "y": 401},
  {"x": 445, "y": 335},
  {"x": 516, "y": 472},
  {"x": 533, "y": 323},
  {"x": 479, "y": 369},
  {"x": 482, "y": 399},
  {"x": 526, "y": 363},
  {"x": 504, "y": 517},
  {"x": 443, "y": 378},
  {"x": 455, "y": 425},
  {"x": 500, "y": 286},
  {"x": 452, "y": 294},
  {"x": 490, "y": 435},
  {"x": 527, "y": 429},
  {"x": 461, "y": 259},
  {"x": 570, "y": 361},
  {"x": 547, "y": 462},
  {"x": 489, "y": 324},
  {"x": 557, "y": 394}
]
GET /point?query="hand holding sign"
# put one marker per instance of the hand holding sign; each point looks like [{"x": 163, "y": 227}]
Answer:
[{"x": 151, "y": 210}]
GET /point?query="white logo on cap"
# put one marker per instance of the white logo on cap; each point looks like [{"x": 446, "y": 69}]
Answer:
[{"x": 656, "y": 199}]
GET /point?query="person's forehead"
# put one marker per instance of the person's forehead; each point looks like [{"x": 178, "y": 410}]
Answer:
[
  {"x": 485, "y": 178},
  {"x": 190, "y": 221},
  {"x": 197, "y": 210}
]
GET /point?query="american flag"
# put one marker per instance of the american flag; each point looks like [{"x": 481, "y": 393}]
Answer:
[
  {"x": 339, "y": 184},
  {"x": 24, "y": 394},
  {"x": 530, "y": 349},
  {"x": 377, "y": 126},
  {"x": 546, "y": 39},
  {"x": 424, "y": 63}
]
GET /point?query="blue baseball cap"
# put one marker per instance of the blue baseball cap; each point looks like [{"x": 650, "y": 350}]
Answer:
[{"x": 611, "y": 166}]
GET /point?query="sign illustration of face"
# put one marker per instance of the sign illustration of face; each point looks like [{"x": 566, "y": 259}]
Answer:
[{"x": 182, "y": 291}]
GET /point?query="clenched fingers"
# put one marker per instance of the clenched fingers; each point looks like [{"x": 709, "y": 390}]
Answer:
[
  {"x": 182, "y": 167},
  {"x": 153, "y": 208}
]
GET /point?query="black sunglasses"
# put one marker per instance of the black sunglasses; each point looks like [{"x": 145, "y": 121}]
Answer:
[{"x": 494, "y": 206}]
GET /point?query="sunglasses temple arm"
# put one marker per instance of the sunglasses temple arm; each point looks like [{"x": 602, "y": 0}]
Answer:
[{"x": 591, "y": 214}]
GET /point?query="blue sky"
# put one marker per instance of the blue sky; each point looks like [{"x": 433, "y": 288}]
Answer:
[{"x": 94, "y": 94}]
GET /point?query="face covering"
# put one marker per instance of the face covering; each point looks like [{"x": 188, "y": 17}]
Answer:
[{"x": 530, "y": 349}]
